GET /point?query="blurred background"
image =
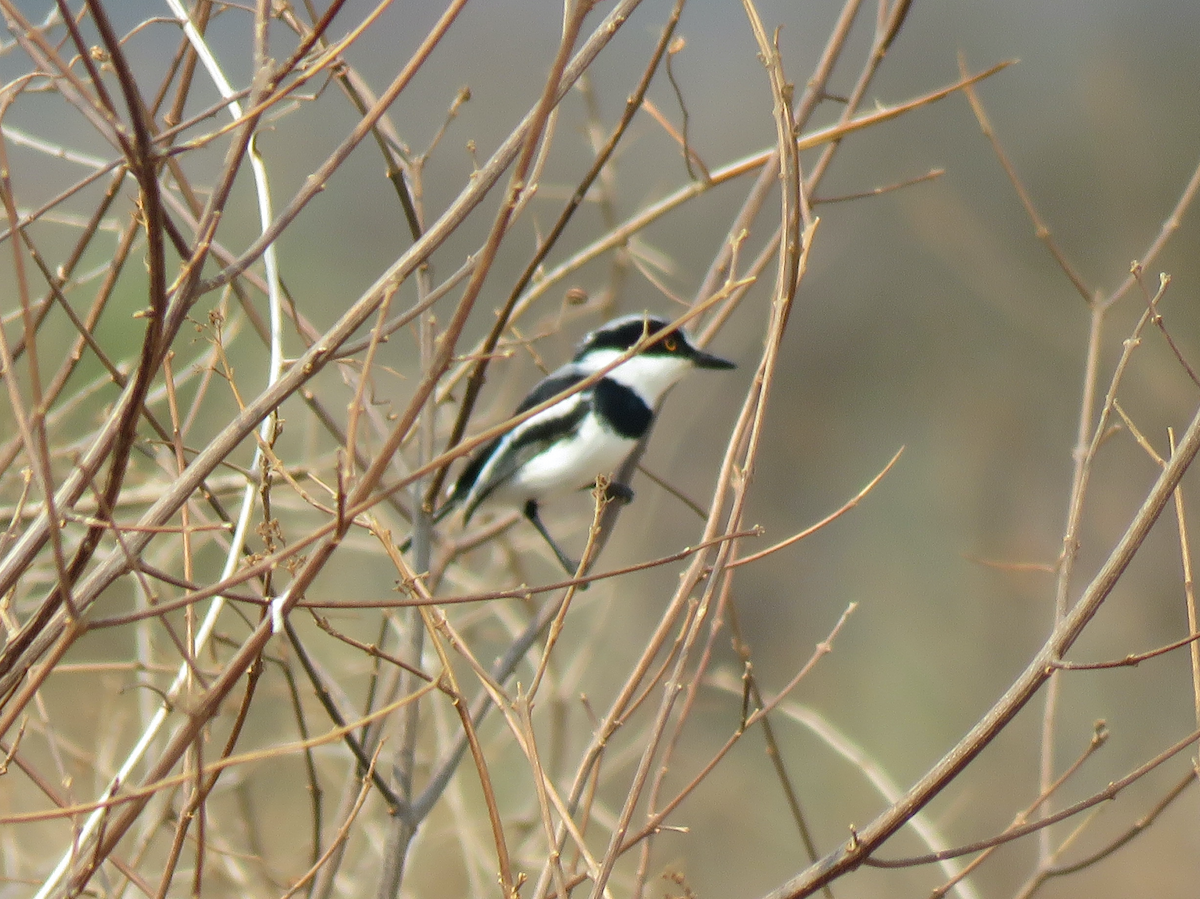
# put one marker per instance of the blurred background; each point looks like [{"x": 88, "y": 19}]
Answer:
[{"x": 931, "y": 318}]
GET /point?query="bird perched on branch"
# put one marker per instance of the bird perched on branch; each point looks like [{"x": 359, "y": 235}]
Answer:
[{"x": 587, "y": 434}]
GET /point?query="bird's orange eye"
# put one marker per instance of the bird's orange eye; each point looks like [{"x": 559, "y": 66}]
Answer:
[{"x": 671, "y": 344}]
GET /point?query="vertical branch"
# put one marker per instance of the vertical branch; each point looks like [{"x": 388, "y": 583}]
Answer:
[
  {"x": 390, "y": 882},
  {"x": 144, "y": 165},
  {"x": 1189, "y": 587},
  {"x": 402, "y": 827},
  {"x": 1082, "y": 456}
]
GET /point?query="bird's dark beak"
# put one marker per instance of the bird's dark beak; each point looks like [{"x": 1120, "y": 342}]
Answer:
[{"x": 708, "y": 360}]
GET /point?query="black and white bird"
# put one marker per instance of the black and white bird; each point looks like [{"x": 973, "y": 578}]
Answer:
[{"x": 586, "y": 435}]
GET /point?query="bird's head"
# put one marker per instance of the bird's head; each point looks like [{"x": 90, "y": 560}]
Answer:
[{"x": 655, "y": 368}]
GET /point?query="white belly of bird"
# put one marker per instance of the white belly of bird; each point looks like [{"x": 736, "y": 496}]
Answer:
[{"x": 568, "y": 465}]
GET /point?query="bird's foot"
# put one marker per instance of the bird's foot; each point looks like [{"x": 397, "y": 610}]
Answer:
[{"x": 617, "y": 491}]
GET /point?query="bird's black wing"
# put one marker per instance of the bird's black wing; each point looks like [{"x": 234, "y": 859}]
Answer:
[{"x": 525, "y": 442}]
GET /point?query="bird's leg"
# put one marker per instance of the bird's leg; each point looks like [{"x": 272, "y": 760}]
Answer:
[{"x": 531, "y": 512}]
